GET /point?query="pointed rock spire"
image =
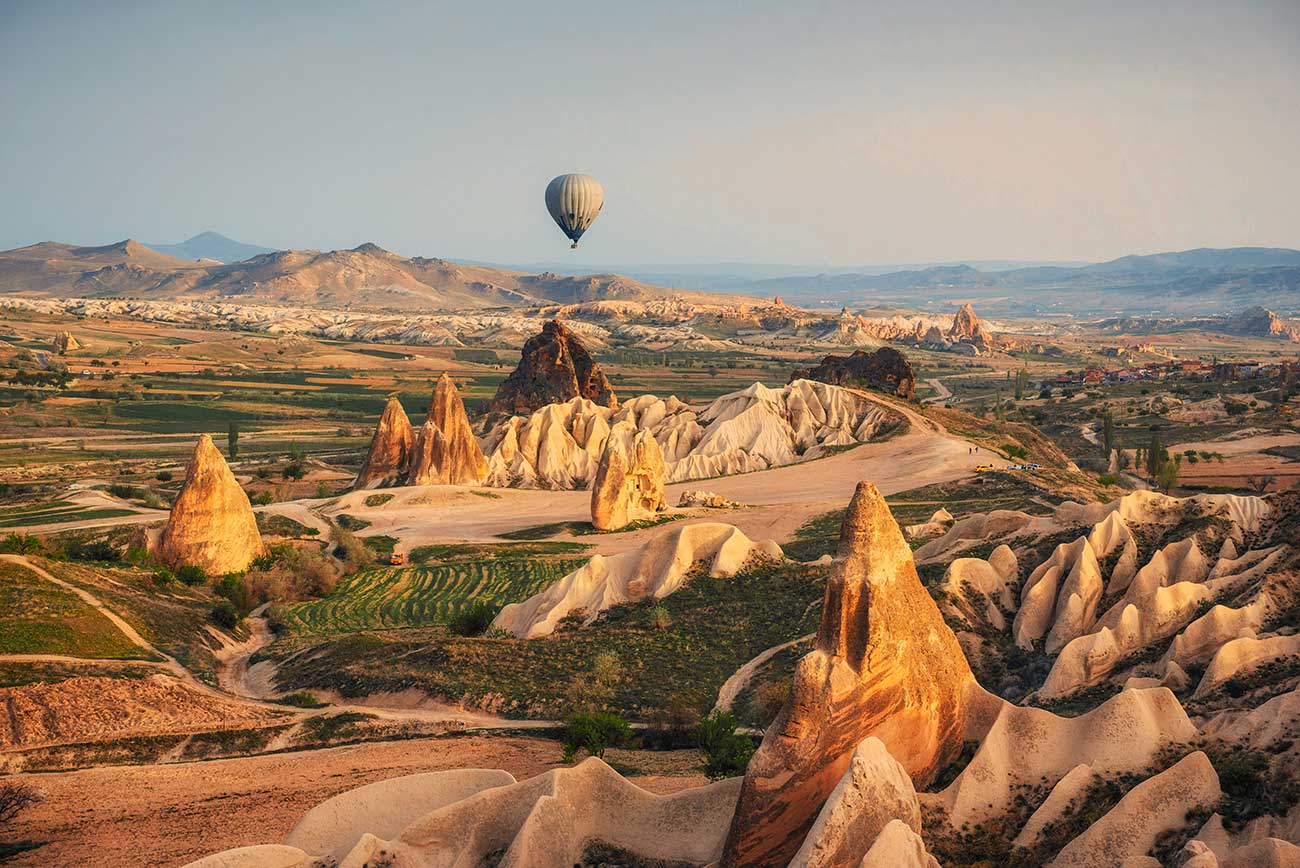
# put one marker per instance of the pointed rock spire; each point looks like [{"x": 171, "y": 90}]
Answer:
[
  {"x": 456, "y": 453},
  {"x": 885, "y": 665},
  {"x": 211, "y": 525},
  {"x": 390, "y": 449}
]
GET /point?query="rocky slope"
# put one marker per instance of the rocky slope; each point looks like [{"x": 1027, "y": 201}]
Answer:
[
  {"x": 559, "y": 446},
  {"x": 211, "y": 525},
  {"x": 554, "y": 367}
]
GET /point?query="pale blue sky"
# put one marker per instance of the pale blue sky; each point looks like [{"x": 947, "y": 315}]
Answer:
[{"x": 833, "y": 133}]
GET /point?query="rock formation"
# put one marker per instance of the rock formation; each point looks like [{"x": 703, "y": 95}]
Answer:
[
  {"x": 707, "y": 499},
  {"x": 547, "y": 821},
  {"x": 652, "y": 571},
  {"x": 211, "y": 525},
  {"x": 885, "y": 665},
  {"x": 65, "y": 342},
  {"x": 1260, "y": 322},
  {"x": 886, "y": 370},
  {"x": 389, "y": 458},
  {"x": 443, "y": 452},
  {"x": 559, "y": 446},
  {"x": 446, "y": 451},
  {"x": 966, "y": 326},
  {"x": 629, "y": 483},
  {"x": 554, "y": 367}
]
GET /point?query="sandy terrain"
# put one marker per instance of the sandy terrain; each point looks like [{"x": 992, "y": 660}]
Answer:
[
  {"x": 1243, "y": 457},
  {"x": 168, "y": 815}
]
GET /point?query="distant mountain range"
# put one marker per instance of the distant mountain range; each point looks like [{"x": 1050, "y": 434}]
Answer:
[
  {"x": 211, "y": 245},
  {"x": 1192, "y": 281},
  {"x": 1188, "y": 283},
  {"x": 366, "y": 276}
]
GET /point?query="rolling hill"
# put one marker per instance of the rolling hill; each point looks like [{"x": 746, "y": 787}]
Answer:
[{"x": 364, "y": 277}]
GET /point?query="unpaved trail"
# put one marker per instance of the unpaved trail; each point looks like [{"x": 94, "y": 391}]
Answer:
[
  {"x": 731, "y": 688},
  {"x": 941, "y": 392},
  {"x": 235, "y": 675}
]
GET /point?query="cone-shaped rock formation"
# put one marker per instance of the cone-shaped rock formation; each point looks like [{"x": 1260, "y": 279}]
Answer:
[
  {"x": 554, "y": 367},
  {"x": 443, "y": 452},
  {"x": 629, "y": 484},
  {"x": 212, "y": 525},
  {"x": 885, "y": 665},
  {"x": 389, "y": 457},
  {"x": 64, "y": 341}
]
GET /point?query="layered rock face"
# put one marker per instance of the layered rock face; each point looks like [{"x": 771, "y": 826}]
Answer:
[
  {"x": 886, "y": 370},
  {"x": 629, "y": 483},
  {"x": 211, "y": 525},
  {"x": 389, "y": 457},
  {"x": 64, "y": 341},
  {"x": 559, "y": 446},
  {"x": 443, "y": 452},
  {"x": 885, "y": 665},
  {"x": 554, "y": 367}
]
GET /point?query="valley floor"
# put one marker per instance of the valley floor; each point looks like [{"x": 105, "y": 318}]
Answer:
[{"x": 168, "y": 815}]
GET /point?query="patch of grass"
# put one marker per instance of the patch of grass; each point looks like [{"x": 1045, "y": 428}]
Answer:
[
  {"x": 486, "y": 551},
  {"x": 18, "y": 674},
  {"x": 421, "y": 596},
  {"x": 378, "y": 499},
  {"x": 327, "y": 728},
  {"x": 231, "y": 742},
  {"x": 302, "y": 699},
  {"x": 716, "y": 626},
  {"x": 271, "y": 524},
  {"x": 584, "y": 528},
  {"x": 39, "y": 617},
  {"x": 351, "y": 522}
]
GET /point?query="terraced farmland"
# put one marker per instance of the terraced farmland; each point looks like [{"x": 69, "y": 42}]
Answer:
[
  {"x": 423, "y": 596},
  {"x": 55, "y": 512}
]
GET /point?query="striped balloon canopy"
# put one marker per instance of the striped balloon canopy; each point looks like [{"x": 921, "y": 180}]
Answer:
[{"x": 574, "y": 201}]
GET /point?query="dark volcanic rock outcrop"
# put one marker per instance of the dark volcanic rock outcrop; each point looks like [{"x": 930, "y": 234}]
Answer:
[
  {"x": 554, "y": 367},
  {"x": 211, "y": 525},
  {"x": 389, "y": 458},
  {"x": 886, "y": 370},
  {"x": 885, "y": 665}
]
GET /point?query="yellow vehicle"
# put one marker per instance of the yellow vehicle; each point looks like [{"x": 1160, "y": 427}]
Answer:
[
  {"x": 982, "y": 468},
  {"x": 396, "y": 559}
]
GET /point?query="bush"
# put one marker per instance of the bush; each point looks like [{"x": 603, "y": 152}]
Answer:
[
  {"x": 163, "y": 476},
  {"x": 594, "y": 733},
  {"x": 95, "y": 550},
  {"x": 354, "y": 554},
  {"x": 189, "y": 574},
  {"x": 473, "y": 619},
  {"x": 1108, "y": 479},
  {"x": 302, "y": 699},
  {"x": 22, "y": 544},
  {"x": 224, "y": 615},
  {"x": 126, "y": 492},
  {"x": 1015, "y": 451},
  {"x": 659, "y": 618},
  {"x": 726, "y": 751}
]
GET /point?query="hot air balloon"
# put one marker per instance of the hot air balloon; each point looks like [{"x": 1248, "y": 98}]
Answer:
[{"x": 574, "y": 201}]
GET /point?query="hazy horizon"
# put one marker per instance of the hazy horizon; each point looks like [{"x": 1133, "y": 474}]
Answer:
[{"x": 841, "y": 137}]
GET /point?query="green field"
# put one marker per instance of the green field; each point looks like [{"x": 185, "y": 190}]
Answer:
[
  {"x": 39, "y": 617},
  {"x": 55, "y": 512},
  {"x": 422, "y": 596}
]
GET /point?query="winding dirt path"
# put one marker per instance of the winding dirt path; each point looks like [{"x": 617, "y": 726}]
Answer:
[
  {"x": 731, "y": 688},
  {"x": 941, "y": 392}
]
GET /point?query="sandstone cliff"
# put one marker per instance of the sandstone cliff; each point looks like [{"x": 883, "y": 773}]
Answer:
[
  {"x": 211, "y": 525},
  {"x": 629, "y": 483},
  {"x": 885, "y": 665},
  {"x": 886, "y": 370},
  {"x": 554, "y": 367}
]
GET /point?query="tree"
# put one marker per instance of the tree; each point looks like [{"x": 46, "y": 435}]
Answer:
[
  {"x": 726, "y": 751},
  {"x": 1022, "y": 383},
  {"x": 232, "y": 439},
  {"x": 1166, "y": 474},
  {"x": 1260, "y": 484},
  {"x": 14, "y": 799},
  {"x": 594, "y": 733},
  {"x": 1108, "y": 432},
  {"x": 1156, "y": 454}
]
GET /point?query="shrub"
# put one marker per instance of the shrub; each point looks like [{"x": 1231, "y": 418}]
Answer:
[
  {"x": 726, "y": 751},
  {"x": 302, "y": 699},
  {"x": 224, "y": 615},
  {"x": 189, "y": 574},
  {"x": 22, "y": 544},
  {"x": 14, "y": 799},
  {"x": 163, "y": 476},
  {"x": 659, "y": 617},
  {"x": 768, "y": 700},
  {"x": 124, "y": 491},
  {"x": 350, "y": 550},
  {"x": 95, "y": 550},
  {"x": 1015, "y": 450},
  {"x": 473, "y": 619},
  {"x": 1108, "y": 479},
  {"x": 594, "y": 733}
]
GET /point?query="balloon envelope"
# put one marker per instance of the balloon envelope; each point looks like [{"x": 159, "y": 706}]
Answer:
[{"x": 574, "y": 201}]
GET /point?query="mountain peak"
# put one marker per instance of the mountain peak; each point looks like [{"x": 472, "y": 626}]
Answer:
[{"x": 372, "y": 249}]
